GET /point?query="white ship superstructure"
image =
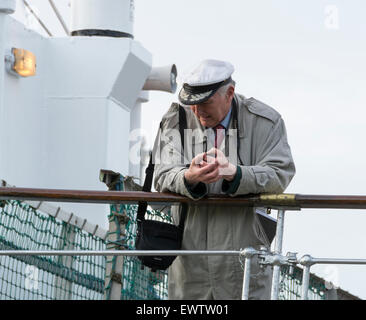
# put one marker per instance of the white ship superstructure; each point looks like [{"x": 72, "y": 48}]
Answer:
[
  {"x": 70, "y": 108},
  {"x": 74, "y": 117}
]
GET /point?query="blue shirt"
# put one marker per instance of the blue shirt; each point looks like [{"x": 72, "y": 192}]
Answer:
[{"x": 226, "y": 121}]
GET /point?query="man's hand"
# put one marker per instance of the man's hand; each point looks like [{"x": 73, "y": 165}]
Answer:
[
  {"x": 202, "y": 171},
  {"x": 210, "y": 167},
  {"x": 227, "y": 170}
]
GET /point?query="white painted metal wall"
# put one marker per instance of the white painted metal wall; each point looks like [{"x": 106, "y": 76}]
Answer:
[{"x": 60, "y": 127}]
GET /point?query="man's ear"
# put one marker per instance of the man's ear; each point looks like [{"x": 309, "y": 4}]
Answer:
[{"x": 230, "y": 92}]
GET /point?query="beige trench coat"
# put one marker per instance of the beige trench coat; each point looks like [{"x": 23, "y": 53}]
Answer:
[{"x": 267, "y": 167}]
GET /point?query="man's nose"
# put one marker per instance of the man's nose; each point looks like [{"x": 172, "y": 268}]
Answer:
[{"x": 198, "y": 107}]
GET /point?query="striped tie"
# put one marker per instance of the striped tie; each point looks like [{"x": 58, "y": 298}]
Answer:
[{"x": 219, "y": 135}]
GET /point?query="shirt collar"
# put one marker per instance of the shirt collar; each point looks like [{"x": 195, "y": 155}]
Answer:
[{"x": 226, "y": 120}]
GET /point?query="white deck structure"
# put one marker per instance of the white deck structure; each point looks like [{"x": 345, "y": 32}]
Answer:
[{"x": 73, "y": 118}]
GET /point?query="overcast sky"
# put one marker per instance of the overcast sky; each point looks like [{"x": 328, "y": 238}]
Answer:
[{"x": 304, "y": 58}]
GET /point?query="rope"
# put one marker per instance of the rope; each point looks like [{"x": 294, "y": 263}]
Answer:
[
  {"x": 37, "y": 18},
  {"x": 59, "y": 17}
]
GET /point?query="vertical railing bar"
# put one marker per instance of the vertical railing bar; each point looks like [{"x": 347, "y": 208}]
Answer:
[
  {"x": 248, "y": 253},
  {"x": 246, "y": 279},
  {"x": 278, "y": 250},
  {"x": 305, "y": 282}
]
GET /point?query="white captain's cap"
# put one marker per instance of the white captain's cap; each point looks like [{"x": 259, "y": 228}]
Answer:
[{"x": 204, "y": 80}]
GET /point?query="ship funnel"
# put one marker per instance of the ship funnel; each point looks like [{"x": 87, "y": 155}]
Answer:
[
  {"x": 112, "y": 18},
  {"x": 7, "y": 6},
  {"x": 162, "y": 79}
]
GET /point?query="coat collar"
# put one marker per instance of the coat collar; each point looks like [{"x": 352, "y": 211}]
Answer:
[{"x": 239, "y": 99}]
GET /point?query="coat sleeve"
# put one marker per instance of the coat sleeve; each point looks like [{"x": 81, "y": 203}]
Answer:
[
  {"x": 171, "y": 179},
  {"x": 274, "y": 167}
]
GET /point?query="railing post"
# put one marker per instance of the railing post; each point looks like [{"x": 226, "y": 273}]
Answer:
[
  {"x": 115, "y": 240},
  {"x": 278, "y": 250},
  {"x": 307, "y": 262},
  {"x": 305, "y": 283},
  {"x": 114, "y": 264},
  {"x": 248, "y": 253}
]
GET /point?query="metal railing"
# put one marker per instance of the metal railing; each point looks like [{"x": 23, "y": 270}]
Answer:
[
  {"x": 275, "y": 201},
  {"x": 280, "y": 202}
]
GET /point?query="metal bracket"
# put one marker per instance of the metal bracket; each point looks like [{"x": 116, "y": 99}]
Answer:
[
  {"x": 285, "y": 208},
  {"x": 122, "y": 218},
  {"x": 269, "y": 258},
  {"x": 116, "y": 277}
]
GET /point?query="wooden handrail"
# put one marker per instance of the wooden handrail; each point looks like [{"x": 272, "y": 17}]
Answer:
[{"x": 290, "y": 201}]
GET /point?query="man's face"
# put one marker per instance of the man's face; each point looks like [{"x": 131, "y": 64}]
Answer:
[{"x": 211, "y": 112}]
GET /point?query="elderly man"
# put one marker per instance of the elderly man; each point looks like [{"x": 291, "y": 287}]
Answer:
[{"x": 239, "y": 147}]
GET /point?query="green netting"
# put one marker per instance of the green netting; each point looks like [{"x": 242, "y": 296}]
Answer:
[
  {"x": 144, "y": 284},
  {"x": 138, "y": 283},
  {"x": 47, "y": 277},
  {"x": 291, "y": 285},
  {"x": 84, "y": 277},
  {"x": 141, "y": 283}
]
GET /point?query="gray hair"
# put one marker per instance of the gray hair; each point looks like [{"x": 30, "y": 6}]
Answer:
[{"x": 222, "y": 90}]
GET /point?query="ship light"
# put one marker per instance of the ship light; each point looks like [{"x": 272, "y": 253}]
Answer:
[{"x": 21, "y": 62}]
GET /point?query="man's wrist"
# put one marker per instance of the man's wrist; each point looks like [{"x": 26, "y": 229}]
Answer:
[
  {"x": 188, "y": 178},
  {"x": 233, "y": 171},
  {"x": 230, "y": 187},
  {"x": 197, "y": 190}
]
